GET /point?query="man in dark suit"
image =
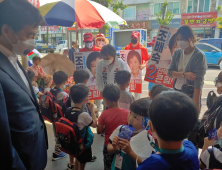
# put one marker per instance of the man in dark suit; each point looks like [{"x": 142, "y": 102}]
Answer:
[
  {"x": 72, "y": 50},
  {"x": 23, "y": 141}
]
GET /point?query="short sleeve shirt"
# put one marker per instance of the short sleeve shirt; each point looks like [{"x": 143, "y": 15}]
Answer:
[
  {"x": 111, "y": 119},
  {"x": 186, "y": 160},
  {"x": 126, "y": 99}
]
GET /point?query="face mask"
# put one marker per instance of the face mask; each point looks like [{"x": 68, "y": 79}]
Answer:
[
  {"x": 133, "y": 41},
  {"x": 100, "y": 43},
  {"x": 183, "y": 44},
  {"x": 89, "y": 45},
  {"x": 108, "y": 62},
  {"x": 22, "y": 47}
]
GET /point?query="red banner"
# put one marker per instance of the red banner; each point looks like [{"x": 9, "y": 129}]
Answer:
[
  {"x": 35, "y": 3},
  {"x": 201, "y": 19}
]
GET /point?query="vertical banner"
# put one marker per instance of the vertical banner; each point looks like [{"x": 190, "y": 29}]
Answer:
[
  {"x": 157, "y": 67},
  {"x": 88, "y": 61},
  {"x": 133, "y": 59}
]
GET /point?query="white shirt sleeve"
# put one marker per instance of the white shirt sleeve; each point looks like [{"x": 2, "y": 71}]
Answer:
[
  {"x": 115, "y": 133},
  {"x": 84, "y": 119},
  {"x": 99, "y": 82},
  {"x": 47, "y": 90},
  {"x": 205, "y": 158},
  {"x": 60, "y": 96},
  {"x": 36, "y": 89}
]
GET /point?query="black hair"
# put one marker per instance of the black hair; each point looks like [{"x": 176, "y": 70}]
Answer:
[
  {"x": 19, "y": 14},
  {"x": 122, "y": 77},
  {"x": 73, "y": 42},
  {"x": 79, "y": 93},
  {"x": 108, "y": 50},
  {"x": 92, "y": 57},
  {"x": 31, "y": 75},
  {"x": 173, "y": 115},
  {"x": 186, "y": 32},
  {"x": 111, "y": 92},
  {"x": 36, "y": 58},
  {"x": 60, "y": 77},
  {"x": 80, "y": 76},
  {"x": 140, "y": 107},
  {"x": 172, "y": 42},
  {"x": 133, "y": 53},
  {"x": 157, "y": 89}
]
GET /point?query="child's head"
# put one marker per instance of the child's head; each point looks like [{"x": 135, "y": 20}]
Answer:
[
  {"x": 111, "y": 95},
  {"x": 172, "y": 116},
  {"x": 219, "y": 83},
  {"x": 157, "y": 89},
  {"x": 92, "y": 61},
  {"x": 79, "y": 94},
  {"x": 36, "y": 60},
  {"x": 81, "y": 76},
  {"x": 138, "y": 110},
  {"x": 60, "y": 78},
  {"x": 122, "y": 78},
  {"x": 134, "y": 61},
  {"x": 31, "y": 75}
]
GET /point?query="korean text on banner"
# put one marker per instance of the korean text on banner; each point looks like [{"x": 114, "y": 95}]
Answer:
[
  {"x": 133, "y": 59},
  {"x": 157, "y": 67},
  {"x": 83, "y": 61}
]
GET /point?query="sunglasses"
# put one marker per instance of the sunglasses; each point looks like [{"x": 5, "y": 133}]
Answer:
[{"x": 100, "y": 40}]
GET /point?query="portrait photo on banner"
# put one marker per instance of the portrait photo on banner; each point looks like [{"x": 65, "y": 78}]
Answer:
[
  {"x": 162, "y": 52},
  {"x": 134, "y": 60},
  {"x": 88, "y": 61}
]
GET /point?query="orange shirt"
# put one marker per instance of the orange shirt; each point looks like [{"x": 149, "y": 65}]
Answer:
[
  {"x": 145, "y": 56},
  {"x": 94, "y": 49}
]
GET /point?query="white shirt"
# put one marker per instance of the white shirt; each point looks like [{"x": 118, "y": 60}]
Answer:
[
  {"x": 184, "y": 60},
  {"x": 13, "y": 58}
]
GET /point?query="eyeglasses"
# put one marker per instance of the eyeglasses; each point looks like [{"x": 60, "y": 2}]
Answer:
[{"x": 100, "y": 40}]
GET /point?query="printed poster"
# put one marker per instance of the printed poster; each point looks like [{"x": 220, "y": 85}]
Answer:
[
  {"x": 88, "y": 61},
  {"x": 133, "y": 59},
  {"x": 157, "y": 67}
]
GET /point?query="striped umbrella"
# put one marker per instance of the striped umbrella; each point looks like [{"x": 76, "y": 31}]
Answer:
[{"x": 87, "y": 14}]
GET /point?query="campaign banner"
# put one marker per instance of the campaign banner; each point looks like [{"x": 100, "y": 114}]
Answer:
[
  {"x": 88, "y": 61},
  {"x": 133, "y": 59},
  {"x": 157, "y": 67}
]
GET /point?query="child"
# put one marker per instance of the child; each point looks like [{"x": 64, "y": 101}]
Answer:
[
  {"x": 157, "y": 89},
  {"x": 32, "y": 78},
  {"x": 79, "y": 95},
  {"x": 218, "y": 83},
  {"x": 122, "y": 78},
  {"x": 212, "y": 158},
  {"x": 172, "y": 116},
  {"x": 138, "y": 113},
  {"x": 110, "y": 119}
]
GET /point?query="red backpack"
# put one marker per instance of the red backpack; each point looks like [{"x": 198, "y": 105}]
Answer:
[
  {"x": 69, "y": 136},
  {"x": 50, "y": 110}
]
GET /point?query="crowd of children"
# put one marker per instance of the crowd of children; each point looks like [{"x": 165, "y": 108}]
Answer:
[{"x": 149, "y": 133}]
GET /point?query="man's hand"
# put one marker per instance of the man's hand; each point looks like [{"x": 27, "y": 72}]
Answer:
[
  {"x": 190, "y": 76},
  {"x": 115, "y": 143},
  {"x": 125, "y": 145},
  {"x": 142, "y": 66}
]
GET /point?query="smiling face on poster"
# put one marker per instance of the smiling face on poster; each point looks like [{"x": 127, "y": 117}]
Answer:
[
  {"x": 134, "y": 60},
  {"x": 88, "y": 61}
]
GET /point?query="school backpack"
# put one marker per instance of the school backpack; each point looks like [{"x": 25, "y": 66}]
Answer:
[
  {"x": 50, "y": 110},
  {"x": 213, "y": 162},
  {"x": 55, "y": 91},
  {"x": 69, "y": 136},
  {"x": 211, "y": 99},
  {"x": 211, "y": 119}
]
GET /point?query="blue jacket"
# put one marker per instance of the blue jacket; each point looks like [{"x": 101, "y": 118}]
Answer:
[
  {"x": 23, "y": 141},
  {"x": 71, "y": 54}
]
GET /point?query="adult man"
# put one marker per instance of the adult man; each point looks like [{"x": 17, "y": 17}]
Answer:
[
  {"x": 23, "y": 141},
  {"x": 135, "y": 45},
  {"x": 72, "y": 50},
  {"x": 89, "y": 46}
]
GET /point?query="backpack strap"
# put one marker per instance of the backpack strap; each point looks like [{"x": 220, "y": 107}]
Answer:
[
  {"x": 56, "y": 91},
  {"x": 213, "y": 162},
  {"x": 76, "y": 113},
  {"x": 160, "y": 158}
]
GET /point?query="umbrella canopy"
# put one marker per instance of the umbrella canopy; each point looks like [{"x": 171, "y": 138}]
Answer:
[
  {"x": 52, "y": 63},
  {"x": 87, "y": 14}
]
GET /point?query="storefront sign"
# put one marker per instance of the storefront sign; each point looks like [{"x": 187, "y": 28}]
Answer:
[
  {"x": 35, "y": 3},
  {"x": 129, "y": 14},
  {"x": 201, "y": 19},
  {"x": 174, "y": 23},
  {"x": 52, "y": 30},
  {"x": 137, "y": 24},
  {"x": 142, "y": 12}
]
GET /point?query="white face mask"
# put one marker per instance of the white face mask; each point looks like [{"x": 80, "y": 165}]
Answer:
[
  {"x": 22, "y": 47},
  {"x": 100, "y": 43},
  {"x": 108, "y": 62},
  {"x": 183, "y": 44},
  {"x": 89, "y": 45}
]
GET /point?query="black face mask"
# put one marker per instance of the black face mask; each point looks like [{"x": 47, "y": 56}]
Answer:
[{"x": 133, "y": 41}]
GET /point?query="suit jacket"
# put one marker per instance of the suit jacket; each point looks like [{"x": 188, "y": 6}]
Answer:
[
  {"x": 71, "y": 54},
  {"x": 23, "y": 141}
]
